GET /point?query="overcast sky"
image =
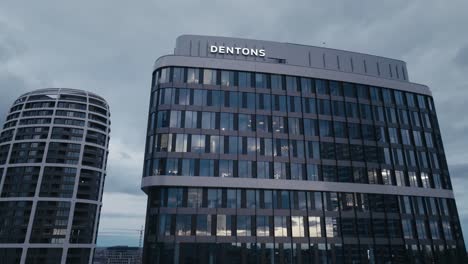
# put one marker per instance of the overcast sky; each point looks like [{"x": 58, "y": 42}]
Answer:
[{"x": 109, "y": 46}]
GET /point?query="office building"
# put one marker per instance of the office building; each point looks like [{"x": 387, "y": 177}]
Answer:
[
  {"x": 118, "y": 255},
  {"x": 53, "y": 153},
  {"x": 267, "y": 152}
]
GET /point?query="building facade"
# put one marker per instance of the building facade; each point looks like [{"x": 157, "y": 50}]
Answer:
[
  {"x": 53, "y": 153},
  {"x": 118, "y": 255},
  {"x": 267, "y": 152}
]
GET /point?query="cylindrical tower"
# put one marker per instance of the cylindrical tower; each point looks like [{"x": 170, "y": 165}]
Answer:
[{"x": 53, "y": 154}]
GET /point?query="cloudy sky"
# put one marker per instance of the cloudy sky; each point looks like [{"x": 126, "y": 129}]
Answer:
[{"x": 109, "y": 46}]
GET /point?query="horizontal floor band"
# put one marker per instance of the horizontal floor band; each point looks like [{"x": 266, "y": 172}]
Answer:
[{"x": 216, "y": 182}]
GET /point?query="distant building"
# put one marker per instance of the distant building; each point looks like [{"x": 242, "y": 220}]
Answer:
[
  {"x": 118, "y": 255},
  {"x": 53, "y": 152}
]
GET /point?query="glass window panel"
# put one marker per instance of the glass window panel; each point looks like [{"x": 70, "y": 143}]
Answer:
[
  {"x": 193, "y": 75},
  {"x": 209, "y": 76}
]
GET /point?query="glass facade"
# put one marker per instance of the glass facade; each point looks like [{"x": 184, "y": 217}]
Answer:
[
  {"x": 53, "y": 151},
  {"x": 209, "y": 124}
]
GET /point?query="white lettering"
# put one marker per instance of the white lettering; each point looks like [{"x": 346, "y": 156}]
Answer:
[
  {"x": 237, "y": 51},
  {"x": 261, "y": 53}
]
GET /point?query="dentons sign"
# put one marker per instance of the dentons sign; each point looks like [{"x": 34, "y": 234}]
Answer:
[{"x": 237, "y": 51}]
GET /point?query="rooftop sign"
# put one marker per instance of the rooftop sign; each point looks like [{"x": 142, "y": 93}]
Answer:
[{"x": 237, "y": 51}]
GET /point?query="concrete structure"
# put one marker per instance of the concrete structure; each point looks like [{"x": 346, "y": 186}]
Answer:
[
  {"x": 53, "y": 154},
  {"x": 266, "y": 152}
]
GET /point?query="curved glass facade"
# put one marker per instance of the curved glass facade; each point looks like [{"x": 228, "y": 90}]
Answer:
[
  {"x": 53, "y": 152},
  {"x": 254, "y": 167}
]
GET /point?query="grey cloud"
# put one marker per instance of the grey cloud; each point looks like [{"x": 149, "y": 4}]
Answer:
[
  {"x": 462, "y": 56},
  {"x": 108, "y": 47}
]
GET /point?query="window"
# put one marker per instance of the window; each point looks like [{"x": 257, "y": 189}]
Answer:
[
  {"x": 312, "y": 172},
  {"x": 244, "y": 225},
  {"x": 410, "y": 100},
  {"x": 208, "y": 120},
  {"x": 183, "y": 225},
  {"x": 421, "y": 102},
  {"x": 281, "y": 228},
  {"x": 291, "y": 84},
  {"x": 407, "y": 228},
  {"x": 280, "y": 170},
  {"x": 400, "y": 178},
  {"x": 216, "y": 144},
  {"x": 194, "y": 197},
  {"x": 425, "y": 180},
  {"x": 310, "y": 127},
  {"x": 366, "y": 112},
  {"x": 326, "y": 128},
  {"x": 203, "y": 225},
  {"x": 279, "y": 124},
  {"x": 375, "y": 94},
  {"x": 245, "y": 79},
  {"x": 341, "y": 130},
  {"x": 277, "y": 82},
  {"x": 297, "y": 226},
  {"x": 362, "y": 91},
  {"x": 335, "y": 88},
  {"x": 246, "y": 122},
  {"x": 232, "y": 99},
  {"x": 226, "y": 168},
  {"x": 247, "y": 100},
  {"x": 209, "y": 77},
  {"x": 321, "y": 86},
  {"x": 295, "y": 126},
  {"x": 245, "y": 169},
  {"x": 176, "y": 119},
  {"x": 227, "y": 78},
  {"x": 223, "y": 225},
  {"x": 193, "y": 75},
  {"x": 178, "y": 75},
  {"x": 399, "y": 98},
  {"x": 403, "y": 115},
  {"x": 386, "y": 177},
  {"x": 324, "y": 107},
  {"x": 307, "y": 86},
  {"x": 263, "y": 169},
  {"x": 349, "y": 90},
  {"x": 309, "y": 105},
  {"x": 206, "y": 167},
  {"x": 338, "y": 108},
  {"x": 263, "y": 123},
  {"x": 294, "y": 104},
  {"x": 387, "y": 96},
  {"x": 261, "y": 80},
  {"x": 227, "y": 122},
  {"x": 352, "y": 110},
  {"x": 279, "y": 103},
  {"x": 314, "y": 226},
  {"x": 312, "y": 150},
  {"x": 263, "y": 225},
  {"x": 393, "y": 135},
  {"x": 264, "y": 102}
]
